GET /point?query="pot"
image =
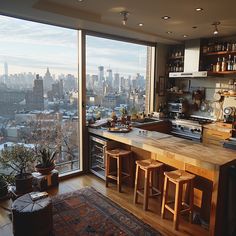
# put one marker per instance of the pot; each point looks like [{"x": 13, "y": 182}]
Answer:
[
  {"x": 24, "y": 183},
  {"x": 44, "y": 170}
]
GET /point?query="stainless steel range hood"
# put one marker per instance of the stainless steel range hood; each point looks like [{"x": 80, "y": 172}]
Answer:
[{"x": 191, "y": 61}]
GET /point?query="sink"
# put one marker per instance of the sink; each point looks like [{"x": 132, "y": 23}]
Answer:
[{"x": 146, "y": 120}]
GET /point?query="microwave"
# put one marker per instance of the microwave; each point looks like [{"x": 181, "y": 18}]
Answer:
[{"x": 176, "y": 107}]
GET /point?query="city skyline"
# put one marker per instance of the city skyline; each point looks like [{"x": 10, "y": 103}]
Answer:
[{"x": 32, "y": 47}]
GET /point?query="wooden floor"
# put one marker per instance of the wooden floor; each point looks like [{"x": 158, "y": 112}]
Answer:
[{"x": 125, "y": 199}]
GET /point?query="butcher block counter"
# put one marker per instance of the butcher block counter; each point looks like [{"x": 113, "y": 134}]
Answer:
[{"x": 207, "y": 162}]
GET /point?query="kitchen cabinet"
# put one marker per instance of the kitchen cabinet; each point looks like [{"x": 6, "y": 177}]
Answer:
[
  {"x": 176, "y": 59},
  {"x": 216, "y": 133}
]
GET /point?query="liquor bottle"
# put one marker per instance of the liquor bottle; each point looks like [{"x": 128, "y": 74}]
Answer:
[
  {"x": 223, "y": 65},
  {"x": 229, "y": 47},
  {"x": 229, "y": 64},
  {"x": 218, "y": 65},
  {"x": 234, "y": 64}
]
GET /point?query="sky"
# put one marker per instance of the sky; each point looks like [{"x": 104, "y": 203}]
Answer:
[{"x": 32, "y": 47}]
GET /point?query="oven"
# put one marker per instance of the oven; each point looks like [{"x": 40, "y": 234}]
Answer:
[
  {"x": 187, "y": 129},
  {"x": 190, "y": 128}
]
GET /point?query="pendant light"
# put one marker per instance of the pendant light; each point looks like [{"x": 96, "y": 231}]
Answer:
[
  {"x": 216, "y": 31},
  {"x": 125, "y": 17}
]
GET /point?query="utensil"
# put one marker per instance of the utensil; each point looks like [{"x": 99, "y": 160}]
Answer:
[
  {"x": 203, "y": 106},
  {"x": 217, "y": 96}
]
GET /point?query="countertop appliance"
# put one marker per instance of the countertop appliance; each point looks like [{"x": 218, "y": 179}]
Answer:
[
  {"x": 229, "y": 114},
  {"x": 97, "y": 152},
  {"x": 191, "y": 61},
  {"x": 177, "y": 109},
  {"x": 190, "y": 128}
]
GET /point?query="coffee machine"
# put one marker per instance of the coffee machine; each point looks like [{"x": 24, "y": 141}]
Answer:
[{"x": 229, "y": 115}]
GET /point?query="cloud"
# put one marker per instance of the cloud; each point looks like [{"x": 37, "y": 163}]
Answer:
[
  {"x": 26, "y": 45},
  {"x": 20, "y": 31}
]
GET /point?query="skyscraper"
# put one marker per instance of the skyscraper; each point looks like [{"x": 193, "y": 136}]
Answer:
[
  {"x": 100, "y": 74},
  {"x": 109, "y": 77},
  {"x": 34, "y": 99},
  {"x": 48, "y": 81},
  {"x": 116, "y": 81},
  {"x": 5, "y": 72}
]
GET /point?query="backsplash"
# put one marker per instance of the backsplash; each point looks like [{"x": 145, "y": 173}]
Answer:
[{"x": 211, "y": 85}]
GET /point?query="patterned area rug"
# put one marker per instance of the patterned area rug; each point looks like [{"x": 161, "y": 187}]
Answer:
[{"x": 87, "y": 212}]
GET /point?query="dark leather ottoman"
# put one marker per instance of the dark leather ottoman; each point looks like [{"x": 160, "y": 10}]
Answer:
[{"x": 32, "y": 218}]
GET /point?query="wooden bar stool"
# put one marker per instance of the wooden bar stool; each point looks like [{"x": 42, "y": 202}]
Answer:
[
  {"x": 148, "y": 166},
  {"x": 118, "y": 175},
  {"x": 179, "y": 178}
]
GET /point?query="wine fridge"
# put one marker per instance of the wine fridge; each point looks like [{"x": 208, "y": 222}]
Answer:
[{"x": 97, "y": 154}]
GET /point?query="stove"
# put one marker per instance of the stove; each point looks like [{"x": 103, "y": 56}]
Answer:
[{"x": 190, "y": 128}]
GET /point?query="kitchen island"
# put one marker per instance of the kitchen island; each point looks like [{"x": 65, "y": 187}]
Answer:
[{"x": 207, "y": 162}]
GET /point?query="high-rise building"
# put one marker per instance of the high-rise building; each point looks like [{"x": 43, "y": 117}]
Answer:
[
  {"x": 48, "y": 81},
  {"x": 34, "y": 99},
  {"x": 116, "y": 81},
  {"x": 100, "y": 74},
  {"x": 109, "y": 77},
  {"x": 61, "y": 89},
  {"x": 5, "y": 72}
]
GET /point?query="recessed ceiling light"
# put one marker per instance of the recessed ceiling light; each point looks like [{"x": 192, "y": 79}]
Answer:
[
  {"x": 169, "y": 32},
  {"x": 198, "y": 9},
  {"x": 140, "y": 24},
  {"x": 165, "y": 17},
  {"x": 194, "y": 27},
  {"x": 80, "y": 0},
  {"x": 185, "y": 35}
]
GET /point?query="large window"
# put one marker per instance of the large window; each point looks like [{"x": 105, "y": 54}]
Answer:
[
  {"x": 117, "y": 76},
  {"x": 39, "y": 89}
]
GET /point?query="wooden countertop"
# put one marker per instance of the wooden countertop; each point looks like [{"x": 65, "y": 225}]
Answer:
[{"x": 209, "y": 157}]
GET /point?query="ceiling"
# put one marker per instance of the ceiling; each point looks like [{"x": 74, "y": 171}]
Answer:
[{"x": 104, "y": 16}]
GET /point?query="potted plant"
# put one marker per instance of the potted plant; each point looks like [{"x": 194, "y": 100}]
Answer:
[
  {"x": 123, "y": 112},
  {"x": 3, "y": 186},
  {"x": 46, "y": 160},
  {"x": 19, "y": 160}
]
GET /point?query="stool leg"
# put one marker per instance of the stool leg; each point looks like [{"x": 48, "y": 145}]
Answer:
[
  {"x": 150, "y": 182},
  {"x": 119, "y": 174},
  {"x": 107, "y": 168},
  {"x": 191, "y": 196},
  {"x": 136, "y": 185},
  {"x": 165, "y": 196},
  {"x": 146, "y": 190},
  {"x": 131, "y": 170},
  {"x": 178, "y": 203},
  {"x": 161, "y": 180}
]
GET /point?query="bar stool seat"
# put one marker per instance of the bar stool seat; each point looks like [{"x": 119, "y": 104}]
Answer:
[
  {"x": 178, "y": 178},
  {"x": 148, "y": 166},
  {"x": 118, "y": 175}
]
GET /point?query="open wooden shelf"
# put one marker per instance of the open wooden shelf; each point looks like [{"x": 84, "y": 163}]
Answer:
[
  {"x": 222, "y": 73},
  {"x": 228, "y": 95},
  {"x": 174, "y": 58},
  {"x": 219, "y": 53}
]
